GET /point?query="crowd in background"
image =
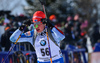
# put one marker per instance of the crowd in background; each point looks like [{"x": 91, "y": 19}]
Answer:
[{"x": 74, "y": 28}]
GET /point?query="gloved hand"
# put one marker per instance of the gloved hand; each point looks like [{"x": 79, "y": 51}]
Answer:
[
  {"x": 25, "y": 24},
  {"x": 48, "y": 23}
]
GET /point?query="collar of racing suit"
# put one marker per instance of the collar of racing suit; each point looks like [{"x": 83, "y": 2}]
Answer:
[{"x": 42, "y": 33}]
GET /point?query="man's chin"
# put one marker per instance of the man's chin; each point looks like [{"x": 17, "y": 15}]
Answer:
[{"x": 38, "y": 32}]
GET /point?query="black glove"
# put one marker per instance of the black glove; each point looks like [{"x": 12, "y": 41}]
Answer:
[
  {"x": 22, "y": 27},
  {"x": 48, "y": 23},
  {"x": 25, "y": 24}
]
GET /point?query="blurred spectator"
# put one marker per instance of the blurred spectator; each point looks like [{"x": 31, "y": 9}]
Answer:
[
  {"x": 97, "y": 46},
  {"x": 94, "y": 34},
  {"x": 82, "y": 43},
  {"x": 85, "y": 43},
  {"x": 76, "y": 17},
  {"x": 70, "y": 35},
  {"x": 84, "y": 24},
  {"x": 75, "y": 32},
  {"x": 69, "y": 18},
  {"x": 1, "y": 20},
  {"x": 53, "y": 18},
  {"x": 6, "y": 21},
  {"x": 77, "y": 25},
  {"x": 5, "y": 42},
  {"x": 7, "y": 27}
]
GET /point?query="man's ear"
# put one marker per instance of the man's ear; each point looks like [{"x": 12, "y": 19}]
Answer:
[{"x": 44, "y": 25}]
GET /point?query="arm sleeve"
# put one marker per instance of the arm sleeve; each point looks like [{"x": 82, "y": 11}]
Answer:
[
  {"x": 25, "y": 37},
  {"x": 57, "y": 35}
]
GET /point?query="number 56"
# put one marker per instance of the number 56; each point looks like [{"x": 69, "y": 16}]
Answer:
[{"x": 45, "y": 51}]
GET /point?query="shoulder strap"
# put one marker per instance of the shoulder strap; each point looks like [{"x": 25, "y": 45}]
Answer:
[{"x": 50, "y": 36}]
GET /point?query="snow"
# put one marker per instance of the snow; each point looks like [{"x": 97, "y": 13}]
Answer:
[{"x": 16, "y": 6}]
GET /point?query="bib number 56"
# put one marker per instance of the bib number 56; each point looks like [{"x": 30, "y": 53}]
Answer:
[{"x": 45, "y": 51}]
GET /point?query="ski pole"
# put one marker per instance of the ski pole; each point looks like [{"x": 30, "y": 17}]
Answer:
[
  {"x": 13, "y": 46},
  {"x": 43, "y": 3}
]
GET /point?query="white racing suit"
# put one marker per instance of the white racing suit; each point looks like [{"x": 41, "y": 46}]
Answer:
[{"x": 41, "y": 45}]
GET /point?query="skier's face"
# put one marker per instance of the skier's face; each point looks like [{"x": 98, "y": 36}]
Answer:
[{"x": 39, "y": 27}]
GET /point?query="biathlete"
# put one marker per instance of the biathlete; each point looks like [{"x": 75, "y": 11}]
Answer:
[{"x": 39, "y": 38}]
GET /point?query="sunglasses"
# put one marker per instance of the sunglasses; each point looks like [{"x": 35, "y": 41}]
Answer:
[{"x": 36, "y": 24}]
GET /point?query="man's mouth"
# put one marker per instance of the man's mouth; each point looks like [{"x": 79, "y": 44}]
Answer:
[{"x": 37, "y": 30}]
